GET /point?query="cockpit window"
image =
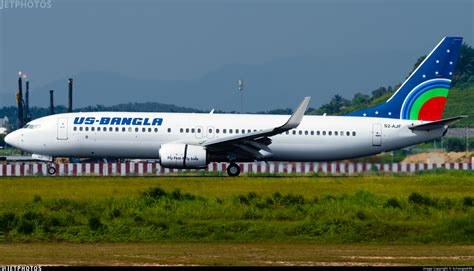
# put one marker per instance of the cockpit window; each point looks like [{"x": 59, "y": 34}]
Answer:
[{"x": 32, "y": 126}]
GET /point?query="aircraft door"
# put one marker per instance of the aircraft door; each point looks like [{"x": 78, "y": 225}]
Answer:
[
  {"x": 62, "y": 129},
  {"x": 377, "y": 134}
]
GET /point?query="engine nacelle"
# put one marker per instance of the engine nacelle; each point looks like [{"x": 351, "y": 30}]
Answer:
[{"x": 175, "y": 155}]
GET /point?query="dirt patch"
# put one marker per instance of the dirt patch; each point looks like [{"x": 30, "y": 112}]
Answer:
[{"x": 439, "y": 157}]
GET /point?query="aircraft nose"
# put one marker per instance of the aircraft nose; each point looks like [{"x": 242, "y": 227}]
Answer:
[{"x": 12, "y": 139}]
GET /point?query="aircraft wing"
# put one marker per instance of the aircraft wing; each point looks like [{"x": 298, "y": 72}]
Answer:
[
  {"x": 251, "y": 143},
  {"x": 436, "y": 124}
]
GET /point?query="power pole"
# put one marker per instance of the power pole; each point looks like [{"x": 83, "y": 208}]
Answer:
[{"x": 19, "y": 100}]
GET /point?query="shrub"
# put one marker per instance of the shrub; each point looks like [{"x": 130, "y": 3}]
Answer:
[
  {"x": 115, "y": 213},
  {"x": 25, "y": 227},
  {"x": 361, "y": 215},
  {"x": 291, "y": 199},
  {"x": 95, "y": 224},
  {"x": 155, "y": 192},
  {"x": 392, "y": 203},
  {"x": 7, "y": 222},
  {"x": 468, "y": 201},
  {"x": 418, "y": 199},
  {"x": 37, "y": 198}
]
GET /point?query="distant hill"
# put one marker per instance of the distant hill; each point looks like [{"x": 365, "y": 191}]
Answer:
[{"x": 274, "y": 84}]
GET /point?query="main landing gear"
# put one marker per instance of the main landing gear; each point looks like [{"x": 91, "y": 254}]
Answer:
[{"x": 233, "y": 170}]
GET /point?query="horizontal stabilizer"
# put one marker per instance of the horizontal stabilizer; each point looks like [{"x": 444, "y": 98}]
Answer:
[{"x": 437, "y": 124}]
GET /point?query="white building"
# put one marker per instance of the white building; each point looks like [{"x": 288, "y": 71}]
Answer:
[{"x": 4, "y": 122}]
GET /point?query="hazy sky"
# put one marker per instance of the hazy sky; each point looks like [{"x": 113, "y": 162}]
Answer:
[{"x": 183, "y": 40}]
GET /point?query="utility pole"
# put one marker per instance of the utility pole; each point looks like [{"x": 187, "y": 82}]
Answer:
[
  {"x": 19, "y": 100},
  {"x": 69, "y": 83},
  {"x": 27, "y": 102},
  {"x": 241, "y": 89},
  {"x": 51, "y": 102}
]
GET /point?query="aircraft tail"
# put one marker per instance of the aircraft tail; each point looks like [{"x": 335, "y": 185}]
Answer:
[{"x": 423, "y": 95}]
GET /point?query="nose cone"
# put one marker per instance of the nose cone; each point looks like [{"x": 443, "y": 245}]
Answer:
[{"x": 12, "y": 139}]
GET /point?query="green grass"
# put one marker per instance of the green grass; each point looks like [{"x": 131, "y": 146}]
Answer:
[
  {"x": 7, "y": 152},
  {"x": 385, "y": 210}
]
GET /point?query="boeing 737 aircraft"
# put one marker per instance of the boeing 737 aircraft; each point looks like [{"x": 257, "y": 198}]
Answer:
[{"x": 190, "y": 141}]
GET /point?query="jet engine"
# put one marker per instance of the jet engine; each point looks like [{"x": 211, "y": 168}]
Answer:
[{"x": 176, "y": 155}]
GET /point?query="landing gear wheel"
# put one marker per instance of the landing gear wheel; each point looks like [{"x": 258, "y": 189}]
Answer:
[
  {"x": 233, "y": 170},
  {"x": 51, "y": 170}
]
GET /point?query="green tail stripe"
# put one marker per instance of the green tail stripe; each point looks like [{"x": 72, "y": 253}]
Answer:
[{"x": 420, "y": 101}]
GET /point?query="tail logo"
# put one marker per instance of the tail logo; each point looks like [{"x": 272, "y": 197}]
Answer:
[{"x": 426, "y": 101}]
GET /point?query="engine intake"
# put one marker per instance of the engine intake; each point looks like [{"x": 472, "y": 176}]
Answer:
[{"x": 183, "y": 156}]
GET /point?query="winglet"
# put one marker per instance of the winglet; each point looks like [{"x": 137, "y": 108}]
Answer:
[{"x": 297, "y": 116}]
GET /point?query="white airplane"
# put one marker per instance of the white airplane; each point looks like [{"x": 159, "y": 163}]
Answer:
[{"x": 191, "y": 141}]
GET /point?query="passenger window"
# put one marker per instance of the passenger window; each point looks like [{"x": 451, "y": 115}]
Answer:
[
  {"x": 130, "y": 129},
  {"x": 353, "y": 133},
  {"x": 341, "y": 133},
  {"x": 294, "y": 132},
  {"x": 74, "y": 129},
  {"x": 318, "y": 133},
  {"x": 243, "y": 131},
  {"x": 136, "y": 129},
  {"x": 335, "y": 133},
  {"x": 305, "y": 132},
  {"x": 236, "y": 131},
  {"x": 330, "y": 133},
  {"x": 230, "y": 131},
  {"x": 217, "y": 131},
  {"x": 149, "y": 130},
  {"x": 193, "y": 130},
  {"x": 348, "y": 133},
  {"x": 87, "y": 129},
  {"x": 187, "y": 130},
  {"x": 111, "y": 129},
  {"x": 300, "y": 132},
  {"x": 224, "y": 131},
  {"x": 199, "y": 130},
  {"x": 98, "y": 129},
  {"x": 312, "y": 132},
  {"x": 169, "y": 130},
  {"x": 143, "y": 129},
  {"x": 116, "y": 129},
  {"x": 181, "y": 130},
  {"x": 210, "y": 131},
  {"x": 156, "y": 130},
  {"x": 124, "y": 129},
  {"x": 249, "y": 131},
  {"x": 324, "y": 133},
  {"x": 92, "y": 129},
  {"x": 287, "y": 132}
]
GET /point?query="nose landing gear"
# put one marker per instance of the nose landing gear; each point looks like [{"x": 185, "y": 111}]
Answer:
[{"x": 51, "y": 170}]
